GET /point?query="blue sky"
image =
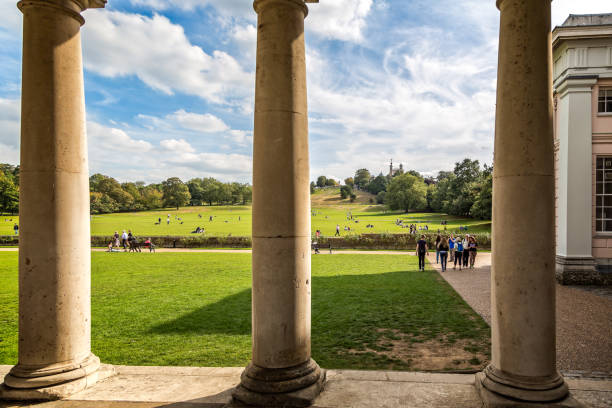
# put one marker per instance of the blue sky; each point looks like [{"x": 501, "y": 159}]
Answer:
[{"x": 169, "y": 85}]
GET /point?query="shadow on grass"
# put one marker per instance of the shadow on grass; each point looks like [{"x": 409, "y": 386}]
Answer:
[
  {"x": 350, "y": 310},
  {"x": 231, "y": 315}
]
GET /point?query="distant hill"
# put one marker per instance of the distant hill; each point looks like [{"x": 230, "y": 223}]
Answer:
[{"x": 331, "y": 196}]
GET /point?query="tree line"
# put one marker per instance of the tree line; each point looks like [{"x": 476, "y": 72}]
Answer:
[
  {"x": 466, "y": 191},
  {"x": 107, "y": 195}
]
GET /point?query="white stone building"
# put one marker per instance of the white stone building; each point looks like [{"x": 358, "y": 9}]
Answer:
[{"x": 582, "y": 82}]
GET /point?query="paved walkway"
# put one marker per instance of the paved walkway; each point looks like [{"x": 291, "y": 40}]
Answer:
[
  {"x": 584, "y": 316},
  {"x": 207, "y": 387}
]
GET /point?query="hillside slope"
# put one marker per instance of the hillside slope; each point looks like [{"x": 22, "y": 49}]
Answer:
[{"x": 331, "y": 196}]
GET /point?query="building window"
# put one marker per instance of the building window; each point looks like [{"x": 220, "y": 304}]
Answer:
[
  {"x": 603, "y": 195},
  {"x": 605, "y": 101}
]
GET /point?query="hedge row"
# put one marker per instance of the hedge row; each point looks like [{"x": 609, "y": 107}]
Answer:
[{"x": 363, "y": 241}]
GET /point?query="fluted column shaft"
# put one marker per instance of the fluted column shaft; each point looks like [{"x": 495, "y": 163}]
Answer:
[
  {"x": 281, "y": 210},
  {"x": 54, "y": 242},
  {"x": 523, "y": 363}
]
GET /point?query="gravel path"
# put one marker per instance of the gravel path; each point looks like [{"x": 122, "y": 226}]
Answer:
[{"x": 584, "y": 316}]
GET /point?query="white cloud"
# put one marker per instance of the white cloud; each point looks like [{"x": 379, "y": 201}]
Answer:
[
  {"x": 561, "y": 9},
  {"x": 9, "y": 154},
  {"x": 158, "y": 52},
  {"x": 114, "y": 139},
  {"x": 229, "y": 8},
  {"x": 206, "y": 123},
  {"x": 174, "y": 145},
  {"x": 9, "y": 130},
  {"x": 430, "y": 106},
  {"x": 339, "y": 19},
  {"x": 10, "y": 16},
  {"x": 10, "y": 112},
  {"x": 117, "y": 153}
]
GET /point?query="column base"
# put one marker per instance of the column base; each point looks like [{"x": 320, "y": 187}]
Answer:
[
  {"x": 499, "y": 390},
  {"x": 29, "y": 384},
  {"x": 577, "y": 271},
  {"x": 280, "y": 387}
]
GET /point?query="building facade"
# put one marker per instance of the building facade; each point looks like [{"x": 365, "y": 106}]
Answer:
[{"x": 582, "y": 83}]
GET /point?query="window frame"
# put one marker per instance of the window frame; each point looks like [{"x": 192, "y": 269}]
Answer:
[
  {"x": 603, "y": 195},
  {"x": 606, "y": 100}
]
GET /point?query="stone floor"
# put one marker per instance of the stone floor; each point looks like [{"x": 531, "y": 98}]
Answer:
[
  {"x": 204, "y": 387},
  {"x": 584, "y": 316}
]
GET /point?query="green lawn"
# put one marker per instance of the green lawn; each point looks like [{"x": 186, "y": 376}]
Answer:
[
  {"x": 236, "y": 220},
  {"x": 368, "y": 311}
]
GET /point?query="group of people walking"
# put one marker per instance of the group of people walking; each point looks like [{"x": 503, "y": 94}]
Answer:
[
  {"x": 129, "y": 242},
  {"x": 457, "y": 250}
]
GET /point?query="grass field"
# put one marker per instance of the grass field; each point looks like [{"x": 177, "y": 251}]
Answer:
[
  {"x": 368, "y": 311},
  {"x": 327, "y": 209}
]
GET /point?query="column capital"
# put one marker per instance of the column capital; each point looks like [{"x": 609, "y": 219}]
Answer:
[
  {"x": 72, "y": 7},
  {"x": 498, "y": 3},
  {"x": 259, "y": 5}
]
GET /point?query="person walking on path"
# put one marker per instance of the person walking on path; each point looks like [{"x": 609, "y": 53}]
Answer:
[
  {"x": 116, "y": 239},
  {"x": 473, "y": 248},
  {"x": 438, "y": 239},
  {"x": 337, "y": 230},
  {"x": 466, "y": 252},
  {"x": 16, "y": 229},
  {"x": 458, "y": 253},
  {"x": 124, "y": 240},
  {"x": 443, "y": 248},
  {"x": 421, "y": 252},
  {"x": 451, "y": 246}
]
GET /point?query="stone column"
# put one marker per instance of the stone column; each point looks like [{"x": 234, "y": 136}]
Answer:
[
  {"x": 281, "y": 372},
  {"x": 55, "y": 358},
  {"x": 523, "y": 367}
]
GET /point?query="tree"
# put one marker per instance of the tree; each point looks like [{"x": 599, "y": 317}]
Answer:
[
  {"x": 321, "y": 181},
  {"x": 9, "y": 195},
  {"x": 330, "y": 182},
  {"x": 176, "y": 193},
  {"x": 152, "y": 198},
  {"x": 312, "y": 187},
  {"x": 247, "y": 193},
  {"x": 483, "y": 204},
  {"x": 349, "y": 182},
  {"x": 196, "y": 191},
  {"x": 362, "y": 178},
  {"x": 380, "y": 197},
  {"x": 353, "y": 197},
  {"x": 345, "y": 192},
  {"x": 211, "y": 190},
  {"x": 406, "y": 192},
  {"x": 100, "y": 203},
  {"x": 378, "y": 184}
]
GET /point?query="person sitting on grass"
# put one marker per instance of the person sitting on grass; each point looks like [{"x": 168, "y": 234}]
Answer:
[{"x": 198, "y": 231}]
